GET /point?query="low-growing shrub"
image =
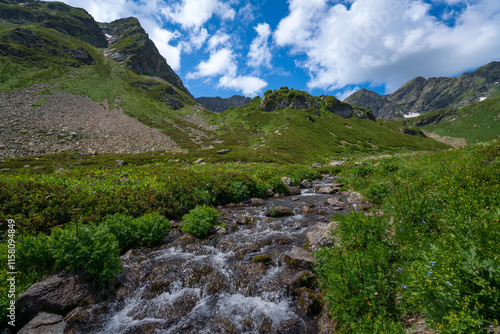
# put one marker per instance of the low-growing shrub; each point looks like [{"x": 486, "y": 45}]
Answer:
[
  {"x": 151, "y": 228},
  {"x": 277, "y": 185},
  {"x": 200, "y": 220},
  {"x": 377, "y": 192},
  {"x": 33, "y": 253},
  {"x": 90, "y": 247},
  {"x": 239, "y": 191},
  {"x": 260, "y": 189}
]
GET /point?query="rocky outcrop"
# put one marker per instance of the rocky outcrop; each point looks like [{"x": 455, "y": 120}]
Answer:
[
  {"x": 58, "y": 294},
  {"x": 68, "y": 20},
  {"x": 130, "y": 44},
  {"x": 218, "y": 104},
  {"x": 422, "y": 95}
]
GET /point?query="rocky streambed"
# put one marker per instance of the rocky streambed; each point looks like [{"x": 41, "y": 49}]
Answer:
[{"x": 255, "y": 276}]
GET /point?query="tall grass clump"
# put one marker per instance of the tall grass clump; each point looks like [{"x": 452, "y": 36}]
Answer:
[{"x": 433, "y": 252}]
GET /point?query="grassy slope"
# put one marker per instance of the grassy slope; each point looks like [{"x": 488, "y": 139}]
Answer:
[
  {"x": 479, "y": 122},
  {"x": 312, "y": 134}
]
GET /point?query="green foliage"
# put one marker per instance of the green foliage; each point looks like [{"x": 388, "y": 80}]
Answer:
[
  {"x": 150, "y": 229},
  {"x": 239, "y": 191},
  {"x": 34, "y": 253},
  {"x": 437, "y": 244},
  {"x": 276, "y": 185},
  {"x": 260, "y": 189},
  {"x": 200, "y": 220},
  {"x": 359, "y": 276},
  {"x": 147, "y": 230},
  {"x": 91, "y": 248},
  {"x": 377, "y": 192}
]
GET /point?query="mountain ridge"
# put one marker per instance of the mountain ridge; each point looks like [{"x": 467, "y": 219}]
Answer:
[
  {"x": 421, "y": 95},
  {"x": 218, "y": 104}
]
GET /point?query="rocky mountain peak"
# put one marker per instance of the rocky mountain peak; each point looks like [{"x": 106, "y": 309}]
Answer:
[
  {"x": 130, "y": 45},
  {"x": 421, "y": 95}
]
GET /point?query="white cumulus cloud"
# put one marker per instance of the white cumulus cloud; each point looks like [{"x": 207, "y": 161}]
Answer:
[
  {"x": 194, "y": 13},
  {"x": 248, "y": 85},
  {"x": 387, "y": 41},
  {"x": 221, "y": 62},
  {"x": 260, "y": 53}
]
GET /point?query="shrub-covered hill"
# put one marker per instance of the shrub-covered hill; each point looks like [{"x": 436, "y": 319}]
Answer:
[{"x": 293, "y": 125}]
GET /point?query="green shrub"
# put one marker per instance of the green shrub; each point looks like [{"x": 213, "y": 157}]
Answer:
[
  {"x": 147, "y": 230},
  {"x": 239, "y": 191},
  {"x": 377, "y": 192},
  {"x": 277, "y": 185},
  {"x": 34, "y": 253},
  {"x": 122, "y": 227},
  {"x": 150, "y": 229},
  {"x": 260, "y": 189},
  {"x": 358, "y": 276},
  {"x": 200, "y": 220},
  {"x": 363, "y": 170},
  {"x": 91, "y": 248}
]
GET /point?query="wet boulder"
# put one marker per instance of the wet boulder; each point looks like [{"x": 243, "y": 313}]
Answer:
[
  {"x": 59, "y": 294},
  {"x": 45, "y": 323},
  {"x": 300, "y": 258},
  {"x": 294, "y": 190},
  {"x": 306, "y": 184},
  {"x": 257, "y": 202},
  {"x": 286, "y": 180},
  {"x": 279, "y": 211},
  {"x": 356, "y": 198},
  {"x": 309, "y": 302},
  {"x": 328, "y": 189}
]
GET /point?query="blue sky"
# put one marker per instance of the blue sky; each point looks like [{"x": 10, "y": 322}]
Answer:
[{"x": 245, "y": 47}]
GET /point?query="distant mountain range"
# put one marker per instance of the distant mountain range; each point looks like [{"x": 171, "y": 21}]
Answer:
[
  {"x": 218, "y": 104},
  {"x": 421, "y": 95}
]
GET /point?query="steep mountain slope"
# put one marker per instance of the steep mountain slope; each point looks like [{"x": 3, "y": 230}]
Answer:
[
  {"x": 64, "y": 49},
  {"x": 218, "y": 104},
  {"x": 422, "y": 96}
]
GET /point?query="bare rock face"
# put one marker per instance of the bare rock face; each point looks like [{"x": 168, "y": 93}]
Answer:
[
  {"x": 45, "y": 323},
  {"x": 58, "y": 293}
]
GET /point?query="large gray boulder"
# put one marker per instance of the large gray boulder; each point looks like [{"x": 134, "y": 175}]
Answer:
[
  {"x": 59, "y": 294},
  {"x": 45, "y": 323}
]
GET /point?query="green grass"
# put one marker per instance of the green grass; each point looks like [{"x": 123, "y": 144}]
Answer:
[
  {"x": 479, "y": 122},
  {"x": 433, "y": 252}
]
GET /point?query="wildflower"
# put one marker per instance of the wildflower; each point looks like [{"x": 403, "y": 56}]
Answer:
[
  {"x": 376, "y": 293},
  {"x": 399, "y": 269},
  {"x": 399, "y": 298},
  {"x": 404, "y": 287}
]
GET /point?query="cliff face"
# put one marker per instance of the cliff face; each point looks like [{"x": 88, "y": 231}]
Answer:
[
  {"x": 422, "y": 96},
  {"x": 129, "y": 44},
  {"x": 218, "y": 104},
  {"x": 71, "y": 21}
]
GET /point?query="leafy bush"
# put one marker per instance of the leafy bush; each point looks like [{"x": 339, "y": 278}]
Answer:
[
  {"x": 363, "y": 170},
  {"x": 34, "y": 253},
  {"x": 91, "y": 248},
  {"x": 200, "y": 220},
  {"x": 147, "y": 230},
  {"x": 239, "y": 191},
  {"x": 260, "y": 189},
  {"x": 150, "y": 229},
  {"x": 377, "y": 192},
  {"x": 357, "y": 275},
  {"x": 277, "y": 185}
]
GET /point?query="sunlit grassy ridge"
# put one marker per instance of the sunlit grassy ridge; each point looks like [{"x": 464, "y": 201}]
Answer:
[{"x": 434, "y": 251}]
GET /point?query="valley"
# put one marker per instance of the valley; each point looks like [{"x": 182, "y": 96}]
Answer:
[{"x": 140, "y": 209}]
